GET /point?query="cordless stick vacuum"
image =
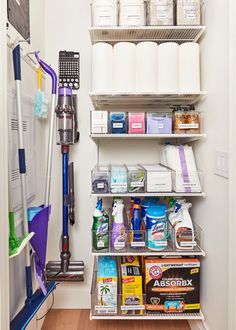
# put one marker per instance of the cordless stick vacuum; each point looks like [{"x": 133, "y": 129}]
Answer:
[{"x": 66, "y": 270}]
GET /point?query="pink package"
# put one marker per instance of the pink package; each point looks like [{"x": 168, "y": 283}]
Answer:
[{"x": 136, "y": 123}]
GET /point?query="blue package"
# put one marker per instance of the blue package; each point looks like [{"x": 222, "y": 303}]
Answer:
[
  {"x": 118, "y": 122},
  {"x": 107, "y": 266}
]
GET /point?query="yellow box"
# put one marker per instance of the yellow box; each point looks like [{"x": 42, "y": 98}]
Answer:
[{"x": 132, "y": 295}]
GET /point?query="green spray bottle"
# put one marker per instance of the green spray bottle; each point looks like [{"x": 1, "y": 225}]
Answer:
[{"x": 100, "y": 228}]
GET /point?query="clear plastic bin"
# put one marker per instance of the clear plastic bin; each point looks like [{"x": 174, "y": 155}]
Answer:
[
  {"x": 160, "y": 12},
  {"x": 101, "y": 179},
  {"x": 191, "y": 182},
  {"x": 158, "y": 178},
  {"x": 136, "y": 179},
  {"x": 119, "y": 180},
  {"x": 159, "y": 123}
]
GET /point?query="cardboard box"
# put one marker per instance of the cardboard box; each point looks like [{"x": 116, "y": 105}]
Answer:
[
  {"x": 132, "y": 294},
  {"x": 172, "y": 285},
  {"x": 107, "y": 285}
]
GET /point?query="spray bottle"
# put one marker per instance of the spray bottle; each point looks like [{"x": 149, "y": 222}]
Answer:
[
  {"x": 119, "y": 235},
  {"x": 100, "y": 228},
  {"x": 184, "y": 231},
  {"x": 136, "y": 221}
]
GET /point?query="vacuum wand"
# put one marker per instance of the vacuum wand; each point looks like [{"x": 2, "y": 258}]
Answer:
[{"x": 66, "y": 270}]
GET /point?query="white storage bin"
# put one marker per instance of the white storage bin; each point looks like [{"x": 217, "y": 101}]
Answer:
[
  {"x": 132, "y": 13},
  {"x": 188, "y": 12},
  {"x": 99, "y": 122},
  {"x": 104, "y": 13},
  {"x": 160, "y": 12},
  {"x": 158, "y": 178}
]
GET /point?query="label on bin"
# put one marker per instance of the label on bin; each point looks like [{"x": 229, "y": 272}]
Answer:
[
  {"x": 136, "y": 184},
  {"x": 117, "y": 125},
  {"x": 136, "y": 125},
  {"x": 100, "y": 185},
  {"x": 119, "y": 245},
  {"x": 137, "y": 244},
  {"x": 106, "y": 309},
  {"x": 132, "y": 308},
  {"x": 186, "y": 244}
]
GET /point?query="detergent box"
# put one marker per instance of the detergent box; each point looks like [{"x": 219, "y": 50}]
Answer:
[
  {"x": 172, "y": 285},
  {"x": 107, "y": 285},
  {"x": 131, "y": 279}
]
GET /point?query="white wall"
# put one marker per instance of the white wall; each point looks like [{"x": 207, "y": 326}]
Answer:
[
  {"x": 212, "y": 213},
  {"x": 66, "y": 28},
  {"x": 29, "y": 87}
]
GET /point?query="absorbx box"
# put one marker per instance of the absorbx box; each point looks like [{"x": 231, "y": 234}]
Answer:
[
  {"x": 172, "y": 285},
  {"x": 131, "y": 278}
]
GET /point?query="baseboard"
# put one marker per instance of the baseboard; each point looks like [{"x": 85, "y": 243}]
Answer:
[{"x": 198, "y": 325}]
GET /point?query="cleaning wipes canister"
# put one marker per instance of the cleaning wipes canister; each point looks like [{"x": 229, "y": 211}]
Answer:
[{"x": 156, "y": 226}]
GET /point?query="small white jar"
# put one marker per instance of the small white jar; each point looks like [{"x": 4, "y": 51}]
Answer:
[
  {"x": 160, "y": 12},
  {"x": 104, "y": 13},
  {"x": 132, "y": 13}
]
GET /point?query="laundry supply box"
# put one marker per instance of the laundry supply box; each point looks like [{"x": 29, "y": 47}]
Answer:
[
  {"x": 99, "y": 122},
  {"x": 172, "y": 285},
  {"x": 158, "y": 178}
]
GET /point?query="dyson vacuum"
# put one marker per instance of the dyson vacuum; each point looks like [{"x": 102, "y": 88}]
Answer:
[{"x": 67, "y": 135}]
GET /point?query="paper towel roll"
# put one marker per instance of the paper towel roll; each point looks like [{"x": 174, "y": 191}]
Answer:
[
  {"x": 102, "y": 68},
  {"x": 124, "y": 67},
  {"x": 189, "y": 68},
  {"x": 168, "y": 68},
  {"x": 146, "y": 67}
]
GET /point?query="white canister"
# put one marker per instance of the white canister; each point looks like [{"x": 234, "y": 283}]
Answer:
[
  {"x": 160, "y": 12},
  {"x": 188, "y": 12},
  {"x": 104, "y": 13},
  {"x": 146, "y": 67},
  {"x": 168, "y": 68},
  {"x": 124, "y": 62},
  {"x": 132, "y": 13}
]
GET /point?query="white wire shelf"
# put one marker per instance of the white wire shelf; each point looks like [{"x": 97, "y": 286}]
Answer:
[
  {"x": 189, "y": 316},
  {"x": 195, "y": 252},
  {"x": 183, "y": 137},
  {"x": 160, "y": 194},
  {"x": 159, "y": 34},
  {"x": 107, "y": 101}
]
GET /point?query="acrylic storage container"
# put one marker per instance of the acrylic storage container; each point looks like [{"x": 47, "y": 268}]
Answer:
[
  {"x": 119, "y": 180},
  {"x": 186, "y": 120},
  {"x": 101, "y": 179},
  {"x": 104, "y": 13},
  {"x": 158, "y": 178},
  {"x": 160, "y": 12},
  {"x": 132, "y": 13},
  {"x": 99, "y": 122},
  {"x": 159, "y": 123},
  {"x": 188, "y": 12},
  {"x": 136, "y": 179},
  {"x": 117, "y": 123},
  {"x": 187, "y": 181},
  {"x": 136, "y": 123}
]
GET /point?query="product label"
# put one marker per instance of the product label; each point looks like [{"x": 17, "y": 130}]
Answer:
[
  {"x": 100, "y": 185},
  {"x": 106, "y": 309},
  {"x": 100, "y": 244},
  {"x": 137, "y": 244},
  {"x": 188, "y": 126},
  {"x": 136, "y": 125},
  {"x": 135, "y": 184},
  {"x": 120, "y": 185},
  {"x": 186, "y": 244},
  {"x": 133, "y": 308},
  {"x": 117, "y": 125}
]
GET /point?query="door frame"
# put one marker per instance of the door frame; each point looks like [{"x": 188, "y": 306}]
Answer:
[
  {"x": 232, "y": 168},
  {"x": 4, "y": 231}
]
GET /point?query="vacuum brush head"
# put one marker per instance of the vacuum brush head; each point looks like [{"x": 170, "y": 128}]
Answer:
[{"x": 75, "y": 272}]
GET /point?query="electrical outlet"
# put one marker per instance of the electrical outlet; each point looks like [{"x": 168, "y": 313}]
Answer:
[{"x": 222, "y": 164}]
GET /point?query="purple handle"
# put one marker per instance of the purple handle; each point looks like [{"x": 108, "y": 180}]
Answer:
[{"x": 50, "y": 71}]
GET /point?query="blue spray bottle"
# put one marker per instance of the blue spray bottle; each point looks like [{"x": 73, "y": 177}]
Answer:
[{"x": 136, "y": 221}]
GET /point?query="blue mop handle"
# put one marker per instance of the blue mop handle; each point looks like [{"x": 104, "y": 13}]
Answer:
[{"x": 65, "y": 161}]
